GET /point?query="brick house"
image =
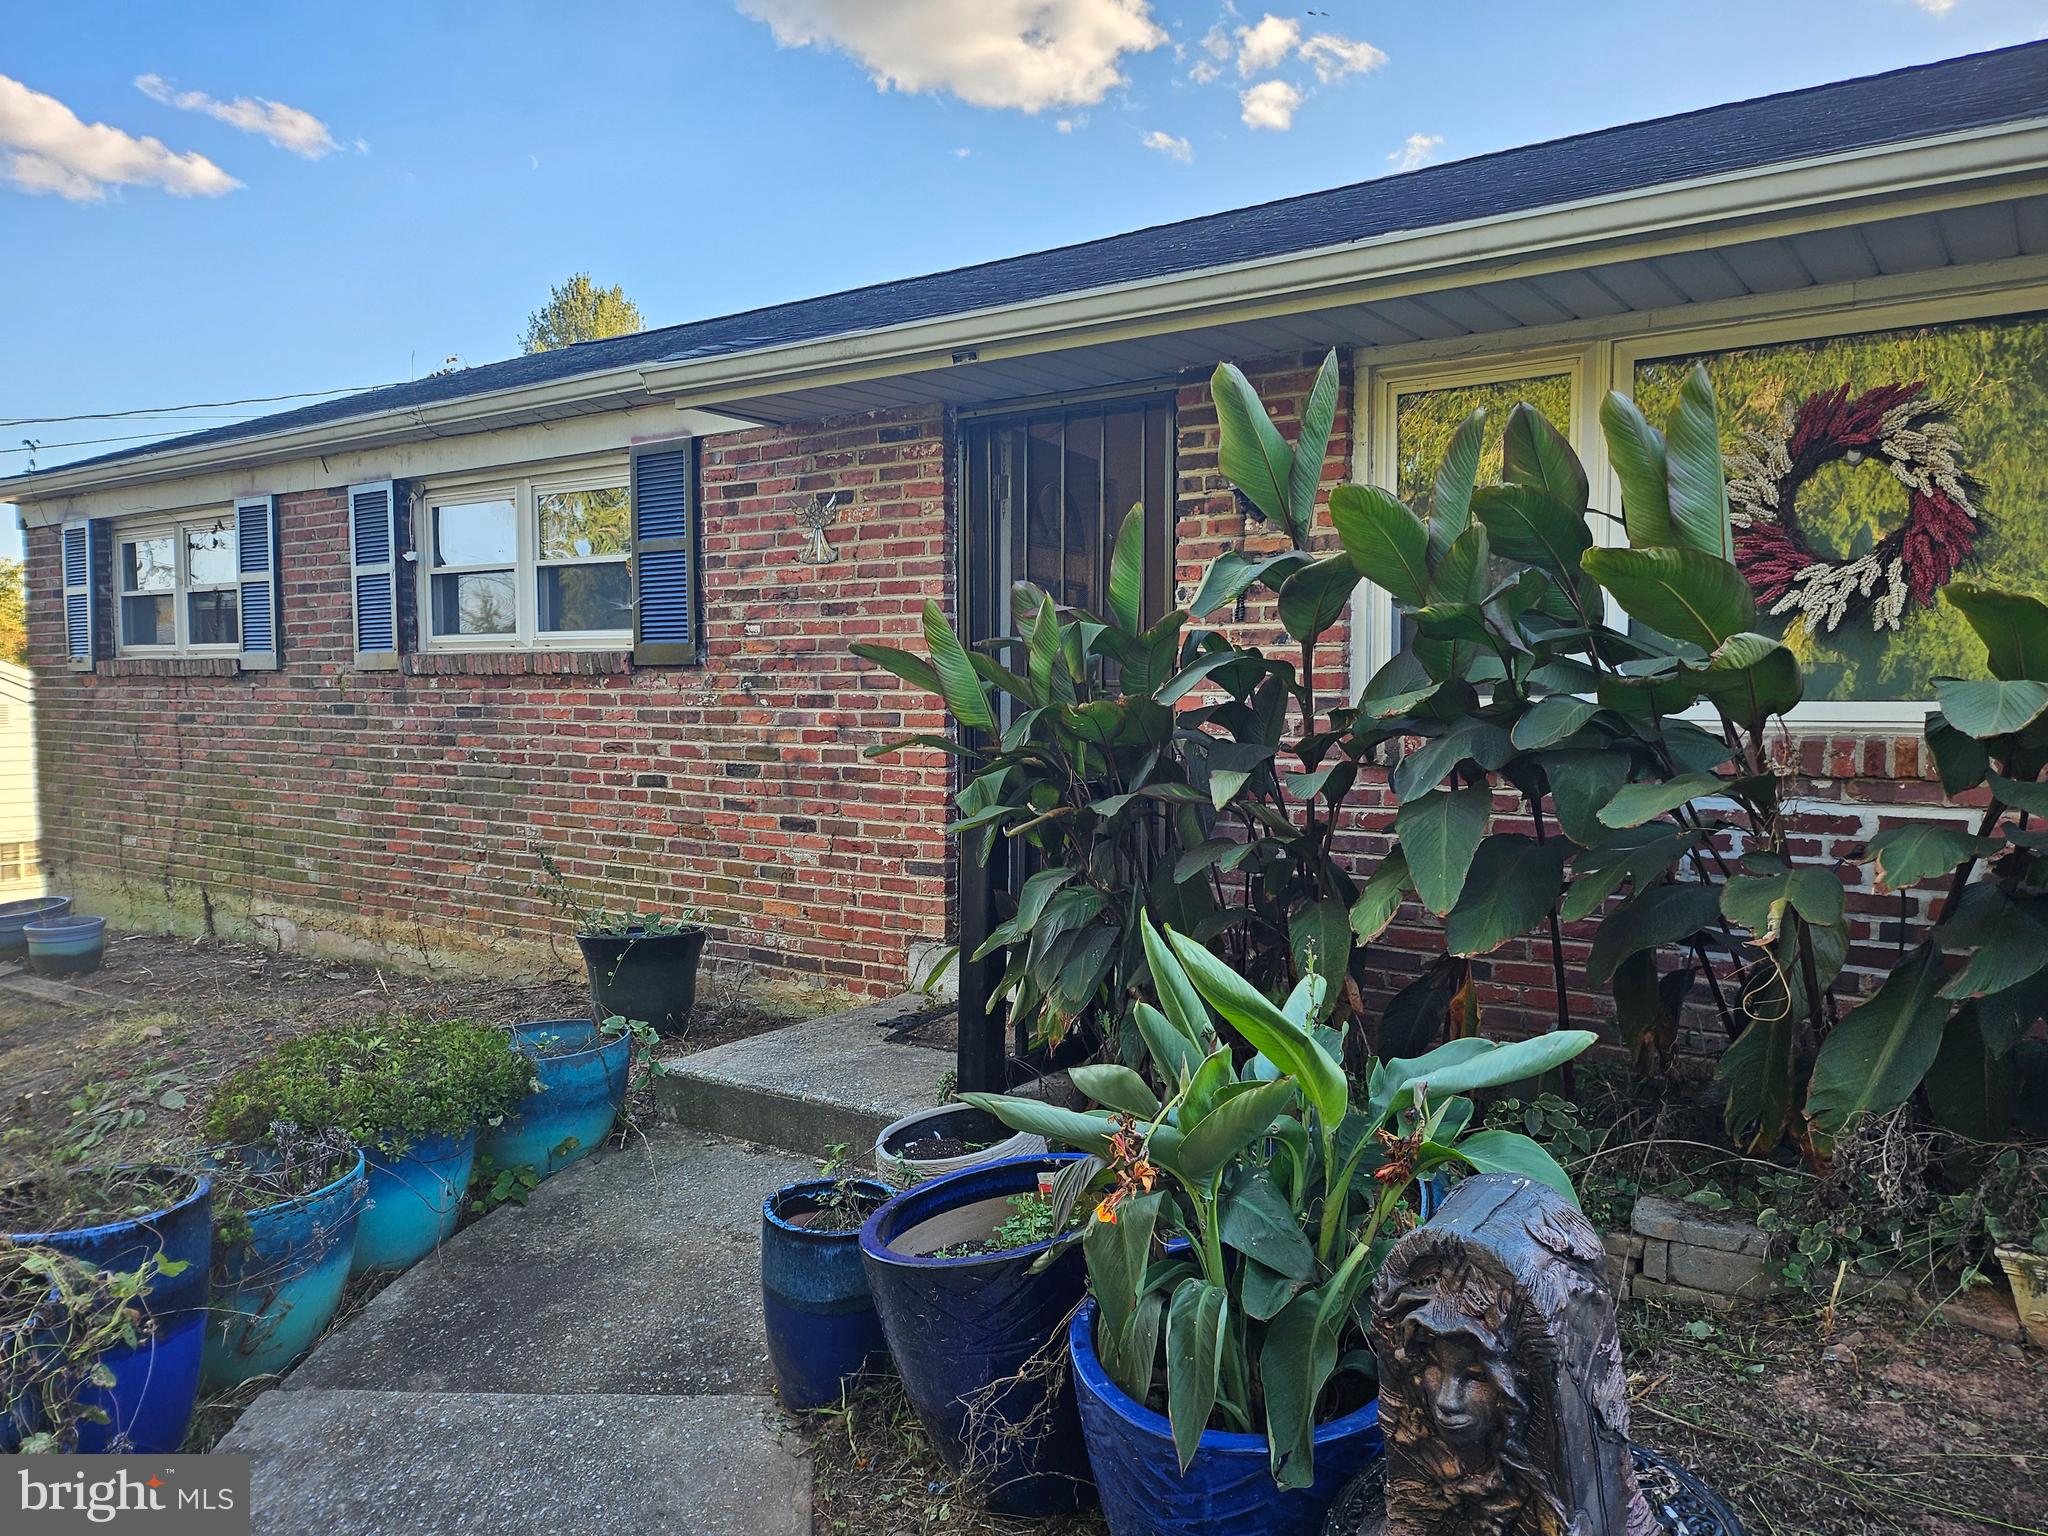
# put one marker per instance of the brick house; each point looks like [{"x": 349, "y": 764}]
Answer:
[{"x": 346, "y": 673}]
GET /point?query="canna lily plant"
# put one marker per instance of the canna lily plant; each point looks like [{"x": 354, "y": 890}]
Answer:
[{"x": 1289, "y": 1180}]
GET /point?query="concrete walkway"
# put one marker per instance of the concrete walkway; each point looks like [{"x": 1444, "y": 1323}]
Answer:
[{"x": 592, "y": 1361}]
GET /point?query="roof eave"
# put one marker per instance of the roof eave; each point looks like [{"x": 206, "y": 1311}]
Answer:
[{"x": 1942, "y": 170}]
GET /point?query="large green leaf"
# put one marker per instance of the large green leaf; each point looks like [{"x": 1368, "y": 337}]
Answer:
[
  {"x": 1174, "y": 1056},
  {"x": 1257, "y": 1220},
  {"x": 1254, "y": 1015},
  {"x": 1439, "y": 834},
  {"x": 1380, "y": 897},
  {"x": 1640, "y": 855},
  {"x": 1522, "y": 523},
  {"x": 1534, "y": 453},
  {"x": 1295, "y": 1361},
  {"x": 1387, "y": 544},
  {"x": 1683, "y": 593},
  {"x": 1662, "y": 914},
  {"x": 913, "y": 669},
  {"x": 1315, "y": 597},
  {"x": 1119, "y": 1256},
  {"x": 2006, "y": 944},
  {"x": 1231, "y": 574},
  {"x": 1250, "y": 451},
  {"x": 1512, "y": 1152},
  {"x": 1634, "y": 804},
  {"x": 2029, "y": 795},
  {"x": 1759, "y": 902},
  {"x": 1037, "y": 891},
  {"x": 1115, "y": 1086},
  {"x": 958, "y": 684},
  {"x": 1878, "y": 1054},
  {"x": 1962, "y": 761},
  {"x": 1243, "y": 1114},
  {"x": 1752, "y": 677},
  {"x": 1920, "y": 850},
  {"x": 1699, "y": 489},
  {"x": 1195, "y": 1326},
  {"x": 1985, "y": 709},
  {"x": 1305, "y": 470},
  {"x": 1756, "y": 1072},
  {"x": 1636, "y": 450},
  {"x": 1551, "y": 720},
  {"x": 1582, "y": 781},
  {"x": 1083, "y": 1131},
  {"x": 2012, "y": 625},
  {"x": 1127, "y": 572},
  {"x": 1319, "y": 935},
  {"x": 1467, "y": 1066},
  {"x": 1467, "y": 737},
  {"x": 1970, "y": 1087},
  {"x": 1450, "y": 507},
  {"x": 1513, "y": 885},
  {"x": 1463, "y": 570},
  {"x": 1178, "y": 1000}
]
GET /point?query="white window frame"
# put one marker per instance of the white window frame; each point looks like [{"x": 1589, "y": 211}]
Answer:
[
  {"x": 523, "y": 490},
  {"x": 182, "y": 586}
]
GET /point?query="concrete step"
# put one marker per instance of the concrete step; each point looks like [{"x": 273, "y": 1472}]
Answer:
[
  {"x": 366, "y": 1463},
  {"x": 807, "y": 1087}
]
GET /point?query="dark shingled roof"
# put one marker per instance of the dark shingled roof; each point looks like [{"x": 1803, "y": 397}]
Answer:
[{"x": 1918, "y": 102}]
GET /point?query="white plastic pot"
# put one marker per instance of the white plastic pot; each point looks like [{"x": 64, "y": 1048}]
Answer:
[{"x": 904, "y": 1171}]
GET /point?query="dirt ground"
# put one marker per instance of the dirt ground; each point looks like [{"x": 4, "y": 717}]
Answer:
[{"x": 122, "y": 1061}]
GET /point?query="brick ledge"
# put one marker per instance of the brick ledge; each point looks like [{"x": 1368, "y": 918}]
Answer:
[
  {"x": 517, "y": 663},
  {"x": 169, "y": 666}
]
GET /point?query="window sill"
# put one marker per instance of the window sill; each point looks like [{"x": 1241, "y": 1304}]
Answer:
[
  {"x": 517, "y": 663},
  {"x": 169, "y": 666}
]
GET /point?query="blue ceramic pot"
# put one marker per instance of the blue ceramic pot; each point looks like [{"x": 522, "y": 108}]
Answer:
[
  {"x": 958, "y": 1326},
  {"x": 582, "y": 1086},
  {"x": 156, "y": 1382},
  {"x": 415, "y": 1201},
  {"x": 1228, "y": 1489},
  {"x": 15, "y": 914},
  {"x": 822, "y": 1327},
  {"x": 275, "y": 1292},
  {"x": 65, "y": 946}
]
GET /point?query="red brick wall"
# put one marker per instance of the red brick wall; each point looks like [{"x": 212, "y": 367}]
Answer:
[{"x": 407, "y": 811}]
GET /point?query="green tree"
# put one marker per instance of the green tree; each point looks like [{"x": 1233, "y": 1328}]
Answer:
[
  {"x": 13, "y": 614},
  {"x": 579, "y": 310}
]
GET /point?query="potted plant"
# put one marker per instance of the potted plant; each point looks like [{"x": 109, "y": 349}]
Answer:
[
  {"x": 284, "y": 1237},
  {"x": 65, "y": 945},
  {"x": 580, "y": 1070},
  {"x": 411, "y": 1092},
  {"x": 147, "y": 1221},
  {"x": 974, "y": 1276},
  {"x": 821, "y": 1323},
  {"x": 15, "y": 915},
  {"x": 642, "y": 965},
  {"x": 1242, "y": 1351},
  {"x": 70, "y": 1335},
  {"x": 930, "y": 1143}
]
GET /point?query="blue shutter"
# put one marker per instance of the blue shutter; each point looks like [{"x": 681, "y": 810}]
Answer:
[
  {"x": 666, "y": 592},
  {"x": 81, "y": 621},
  {"x": 373, "y": 535},
  {"x": 256, "y": 564}
]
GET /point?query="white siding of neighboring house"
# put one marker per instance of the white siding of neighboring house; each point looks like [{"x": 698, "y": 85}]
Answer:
[{"x": 20, "y": 874}]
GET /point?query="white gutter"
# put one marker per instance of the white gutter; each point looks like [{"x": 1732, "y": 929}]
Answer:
[{"x": 1914, "y": 176}]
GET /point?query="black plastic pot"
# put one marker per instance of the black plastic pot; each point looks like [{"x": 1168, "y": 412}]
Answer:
[
  {"x": 650, "y": 978},
  {"x": 960, "y": 1326}
]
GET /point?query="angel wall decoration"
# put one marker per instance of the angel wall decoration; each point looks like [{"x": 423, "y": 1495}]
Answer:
[{"x": 815, "y": 519}]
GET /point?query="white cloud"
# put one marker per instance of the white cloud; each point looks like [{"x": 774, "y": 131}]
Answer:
[
  {"x": 1022, "y": 54},
  {"x": 44, "y": 147},
  {"x": 962, "y": 152},
  {"x": 1216, "y": 41},
  {"x": 1169, "y": 146},
  {"x": 287, "y": 127},
  {"x": 1334, "y": 56},
  {"x": 1936, "y": 7},
  {"x": 1204, "y": 71},
  {"x": 1270, "y": 104},
  {"x": 1266, "y": 45},
  {"x": 1416, "y": 151}
]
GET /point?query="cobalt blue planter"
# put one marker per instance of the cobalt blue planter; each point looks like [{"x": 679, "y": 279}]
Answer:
[
  {"x": 822, "y": 1327},
  {"x": 14, "y": 915},
  {"x": 275, "y": 1292},
  {"x": 1228, "y": 1489},
  {"x": 156, "y": 1382},
  {"x": 65, "y": 946},
  {"x": 415, "y": 1201},
  {"x": 958, "y": 1326},
  {"x": 581, "y": 1090}
]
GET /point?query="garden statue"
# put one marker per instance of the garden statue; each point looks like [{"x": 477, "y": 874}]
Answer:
[{"x": 1501, "y": 1387}]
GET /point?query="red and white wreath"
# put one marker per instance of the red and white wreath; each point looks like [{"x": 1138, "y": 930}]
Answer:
[{"x": 1907, "y": 432}]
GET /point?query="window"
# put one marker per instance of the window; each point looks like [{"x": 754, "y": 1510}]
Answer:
[
  {"x": 533, "y": 562},
  {"x": 178, "y": 588},
  {"x": 18, "y": 862}
]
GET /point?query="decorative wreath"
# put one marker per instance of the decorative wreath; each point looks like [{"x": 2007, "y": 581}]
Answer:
[{"x": 1912, "y": 436}]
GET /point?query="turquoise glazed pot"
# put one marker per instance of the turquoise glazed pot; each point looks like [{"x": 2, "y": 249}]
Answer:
[
  {"x": 14, "y": 915},
  {"x": 582, "y": 1086},
  {"x": 156, "y": 1382},
  {"x": 275, "y": 1292},
  {"x": 65, "y": 946},
  {"x": 415, "y": 1201}
]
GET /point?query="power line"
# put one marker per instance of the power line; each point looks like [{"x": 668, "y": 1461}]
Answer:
[
  {"x": 90, "y": 442},
  {"x": 197, "y": 405}
]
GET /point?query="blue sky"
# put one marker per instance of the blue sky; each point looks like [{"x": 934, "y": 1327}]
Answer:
[{"x": 350, "y": 196}]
